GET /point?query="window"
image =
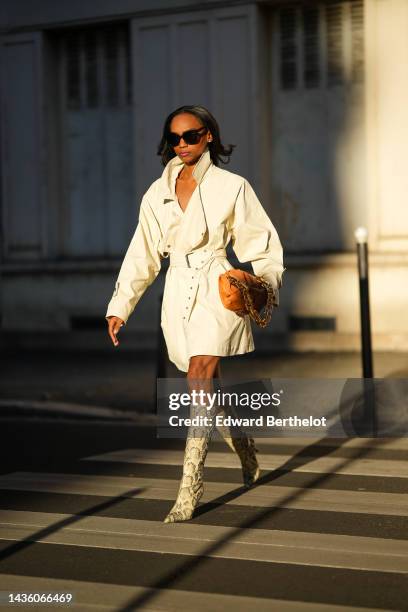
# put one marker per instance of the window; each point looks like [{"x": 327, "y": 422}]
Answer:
[
  {"x": 96, "y": 67},
  {"x": 318, "y": 141},
  {"x": 98, "y": 209},
  {"x": 321, "y": 45}
]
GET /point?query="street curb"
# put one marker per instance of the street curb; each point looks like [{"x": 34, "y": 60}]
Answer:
[{"x": 77, "y": 411}]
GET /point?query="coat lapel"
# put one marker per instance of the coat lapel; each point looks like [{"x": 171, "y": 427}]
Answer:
[{"x": 193, "y": 224}]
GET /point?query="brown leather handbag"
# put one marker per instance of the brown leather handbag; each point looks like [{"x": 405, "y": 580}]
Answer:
[{"x": 245, "y": 293}]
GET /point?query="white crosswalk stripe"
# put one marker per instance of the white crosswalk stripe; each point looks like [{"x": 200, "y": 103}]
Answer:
[
  {"x": 260, "y": 496},
  {"x": 322, "y": 550},
  {"x": 333, "y": 465}
]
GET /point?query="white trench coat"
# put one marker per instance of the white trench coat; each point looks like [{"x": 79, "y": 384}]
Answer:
[{"x": 223, "y": 207}]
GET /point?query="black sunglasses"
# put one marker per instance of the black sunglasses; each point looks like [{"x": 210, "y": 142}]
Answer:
[{"x": 189, "y": 137}]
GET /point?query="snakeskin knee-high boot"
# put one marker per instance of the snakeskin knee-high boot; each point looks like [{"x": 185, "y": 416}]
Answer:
[
  {"x": 243, "y": 445},
  {"x": 191, "y": 487},
  {"x": 237, "y": 439}
]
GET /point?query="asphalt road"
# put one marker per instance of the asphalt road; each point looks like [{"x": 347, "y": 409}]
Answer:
[{"x": 82, "y": 507}]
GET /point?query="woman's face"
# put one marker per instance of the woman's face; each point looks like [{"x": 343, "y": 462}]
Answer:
[{"x": 189, "y": 153}]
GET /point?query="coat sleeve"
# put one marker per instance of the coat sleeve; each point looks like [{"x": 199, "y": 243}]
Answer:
[
  {"x": 255, "y": 239},
  {"x": 140, "y": 265}
]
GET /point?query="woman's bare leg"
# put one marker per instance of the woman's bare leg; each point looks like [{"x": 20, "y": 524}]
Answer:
[{"x": 200, "y": 378}]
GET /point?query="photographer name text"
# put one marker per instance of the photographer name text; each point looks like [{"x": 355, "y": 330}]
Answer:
[{"x": 259, "y": 421}]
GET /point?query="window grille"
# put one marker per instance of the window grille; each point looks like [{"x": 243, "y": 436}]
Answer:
[
  {"x": 321, "y": 45},
  {"x": 96, "y": 67},
  {"x": 335, "y": 60},
  {"x": 310, "y": 21},
  {"x": 357, "y": 28},
  {"x": 288, "y": 67}
]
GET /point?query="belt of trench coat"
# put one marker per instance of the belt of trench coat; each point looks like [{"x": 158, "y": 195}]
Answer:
[{"x": 198, "y": 260}]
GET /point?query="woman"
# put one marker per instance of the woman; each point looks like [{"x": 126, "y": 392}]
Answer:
[{"x": 190, "y": 214}]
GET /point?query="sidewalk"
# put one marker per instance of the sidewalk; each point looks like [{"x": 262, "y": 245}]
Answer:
[{"x": 116, "y": 385}]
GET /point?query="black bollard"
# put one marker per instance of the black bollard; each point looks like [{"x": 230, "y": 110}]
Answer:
[
  {"x": 362, "y": 254},
  {"x": 370, "y": 415}
]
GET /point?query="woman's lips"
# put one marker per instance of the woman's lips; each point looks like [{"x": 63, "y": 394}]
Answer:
[{"x": 184, "y": 154}]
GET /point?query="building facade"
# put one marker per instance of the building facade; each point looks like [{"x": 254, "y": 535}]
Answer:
[{"x": 313, "y": 94}]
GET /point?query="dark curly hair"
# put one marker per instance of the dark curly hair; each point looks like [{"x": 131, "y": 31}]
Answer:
[{"x": 216, "y": 148}]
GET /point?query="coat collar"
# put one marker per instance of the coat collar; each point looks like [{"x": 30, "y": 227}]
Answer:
[{"x": 173, "y": 168}]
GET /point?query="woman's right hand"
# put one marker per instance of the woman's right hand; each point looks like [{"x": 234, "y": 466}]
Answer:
[{"x": 114, "y": 325}]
